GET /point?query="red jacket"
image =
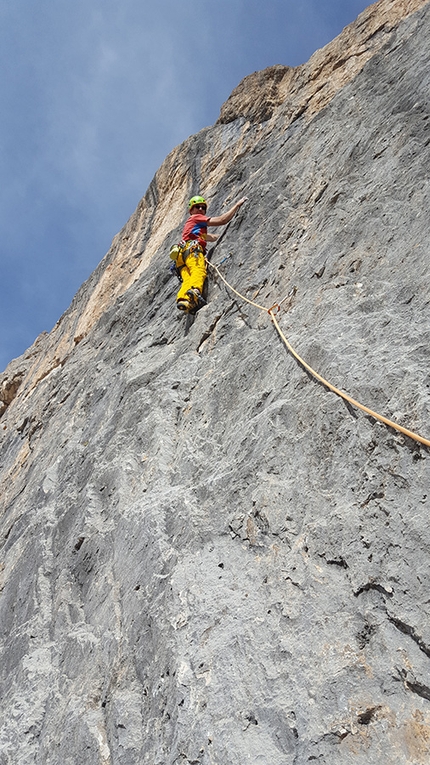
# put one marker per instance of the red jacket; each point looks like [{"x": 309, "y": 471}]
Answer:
[{"x": 196, "y": 228}]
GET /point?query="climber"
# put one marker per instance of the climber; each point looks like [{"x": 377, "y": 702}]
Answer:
[{"x": 190, "y": 254}]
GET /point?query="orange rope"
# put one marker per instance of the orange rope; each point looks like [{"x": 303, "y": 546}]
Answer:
[
  {"x": 317, "y": 376},
  {"x": 345, "y": 396},
  {"x": 251, "y": 302}
]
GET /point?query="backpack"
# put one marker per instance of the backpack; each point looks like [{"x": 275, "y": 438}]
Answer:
[{"x": 176, "y": 254}]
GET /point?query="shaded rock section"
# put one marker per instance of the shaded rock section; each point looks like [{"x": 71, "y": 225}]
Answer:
[{"x": 257, "y": 96}]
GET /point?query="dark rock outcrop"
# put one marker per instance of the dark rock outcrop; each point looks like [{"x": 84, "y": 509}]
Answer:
[
  {"x": 257, "y": 96},
  {"x": 206, "y": 556}
]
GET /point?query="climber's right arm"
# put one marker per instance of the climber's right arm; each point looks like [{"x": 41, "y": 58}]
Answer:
[{"x": 221, "y": 220}]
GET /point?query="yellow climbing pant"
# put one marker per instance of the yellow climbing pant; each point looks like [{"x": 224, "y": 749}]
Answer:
[{"x": 193, "y": 273}]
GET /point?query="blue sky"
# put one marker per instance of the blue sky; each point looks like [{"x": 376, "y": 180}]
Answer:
[{"x": 94, "y": 94}]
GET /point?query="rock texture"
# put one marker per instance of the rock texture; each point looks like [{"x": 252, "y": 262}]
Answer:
[{"x": 206, "y": 556}]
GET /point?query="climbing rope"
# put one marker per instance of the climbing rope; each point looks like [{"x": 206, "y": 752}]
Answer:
[
  {"x": 242, "y": 297},
  {"x": 275, "y": 309}
]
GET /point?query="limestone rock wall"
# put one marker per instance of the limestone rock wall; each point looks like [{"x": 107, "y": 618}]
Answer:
[
  {"x": 310, "y": 87},
  {"x": 206, "y": 557}
]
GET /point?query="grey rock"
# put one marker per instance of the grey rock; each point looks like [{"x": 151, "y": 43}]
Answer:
[{"x": 207, "y": 557}]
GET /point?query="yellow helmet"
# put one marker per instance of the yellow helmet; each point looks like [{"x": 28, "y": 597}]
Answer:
[{"x": 197, "y": 201}]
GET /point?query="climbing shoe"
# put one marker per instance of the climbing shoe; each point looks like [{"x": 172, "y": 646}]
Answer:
[
  {"x": 184, "y": 305},
  {"x": 196, "y": 297}
]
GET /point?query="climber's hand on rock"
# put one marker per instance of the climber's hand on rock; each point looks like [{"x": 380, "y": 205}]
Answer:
[{"x": 241, "y": 201}]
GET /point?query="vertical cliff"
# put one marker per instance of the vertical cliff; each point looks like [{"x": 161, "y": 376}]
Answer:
[{"x": 206, "y": 556}]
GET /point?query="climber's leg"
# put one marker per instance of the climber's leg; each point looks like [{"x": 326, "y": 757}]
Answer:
[{"x": 193, "y": 276}]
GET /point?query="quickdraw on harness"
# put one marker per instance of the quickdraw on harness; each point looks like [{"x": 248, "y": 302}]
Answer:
[{"x": 179, "y": 253}]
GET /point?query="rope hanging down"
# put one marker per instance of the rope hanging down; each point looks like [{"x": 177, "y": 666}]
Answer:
[{"x": 275, "y": 309}]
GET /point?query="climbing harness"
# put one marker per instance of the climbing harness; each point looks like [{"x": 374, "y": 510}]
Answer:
[
  {"x": 275, "y": 309},
  {"x": 179, "y": 253}
]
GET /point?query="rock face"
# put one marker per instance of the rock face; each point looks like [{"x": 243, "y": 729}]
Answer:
[{"x": 206, "y": 556}]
